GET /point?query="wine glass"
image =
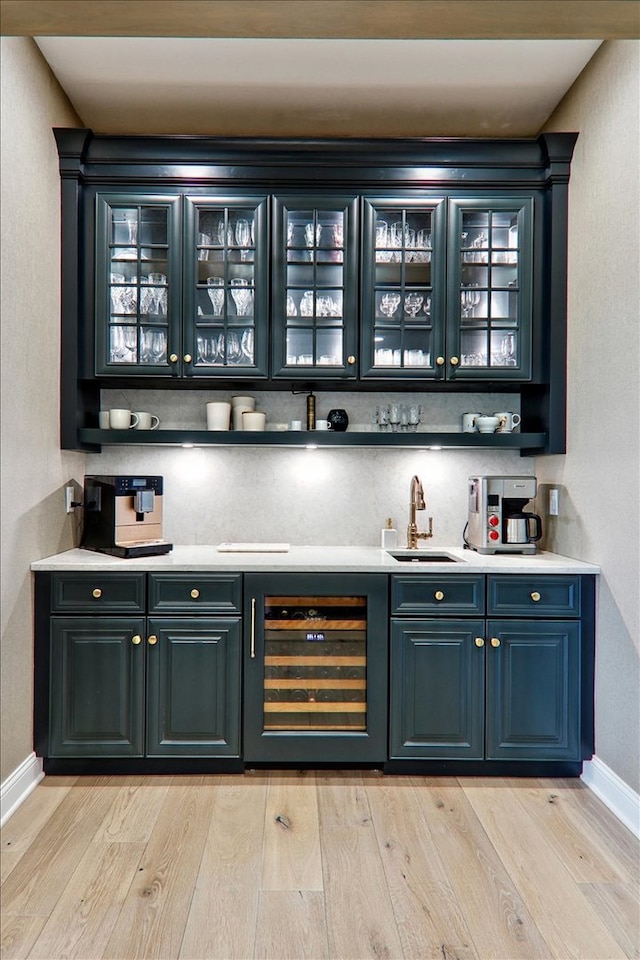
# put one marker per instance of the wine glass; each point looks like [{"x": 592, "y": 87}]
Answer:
[
  {"x": 508, "y": 350},
  {"x": 215, "y": 289},
  {"x": 412, "y": 304},
  {"x": 242, "y": 296},
  {"x": 389, "y": 303},
  {"x": 306, "y": 304},
  {"x": 291, "y": 307},
  {"x": 243, "y": 238}
]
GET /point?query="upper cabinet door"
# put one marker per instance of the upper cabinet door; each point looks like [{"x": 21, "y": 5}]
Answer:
[
  {"x": 138, "y": 284},
  {"x": 225, "y": 326},
  {"x": 403, "y": 289},
  {"x": 490, "y": 269},
  {"x": 314, "y": 295}
]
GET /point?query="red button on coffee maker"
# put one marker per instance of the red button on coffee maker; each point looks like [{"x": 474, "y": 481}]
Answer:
[
  {"x": 493, "y": 520},
  {"x": 494, "y": 535}
]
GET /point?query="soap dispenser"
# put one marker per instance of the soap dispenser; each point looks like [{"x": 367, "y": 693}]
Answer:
[{"x": 389, "y": 536}]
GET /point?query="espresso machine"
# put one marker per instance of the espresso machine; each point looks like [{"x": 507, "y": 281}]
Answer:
[
  {"x": 123, "y": 516},
  {"x": 498, "y": 522}
]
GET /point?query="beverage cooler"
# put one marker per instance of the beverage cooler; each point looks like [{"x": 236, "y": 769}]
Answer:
[{"x": 315, "y": 660}]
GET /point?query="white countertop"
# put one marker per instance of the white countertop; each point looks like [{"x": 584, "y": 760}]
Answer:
[{"x": 316, "y": 559}]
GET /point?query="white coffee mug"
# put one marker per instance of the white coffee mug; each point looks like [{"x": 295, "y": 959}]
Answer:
[
  {"x": 122, "y": 419},
  {"x": 295, "y": 425},
  {"x": 469, "y": 422},
  {"x": 323, "y": 425},
  {"x": 103, "y": 419},
  {"x": 253, "y": 420},
  {"x": 146, "y": 421},
  {"x": 218, "y": 415},
  {"x": 508, "y": 421},
  {"x": 487, "y": 424}
]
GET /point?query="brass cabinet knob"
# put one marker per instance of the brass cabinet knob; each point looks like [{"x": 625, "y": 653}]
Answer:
[
  {"x": 187, "y": 358},
  {"x": 97, "y": 593},
  {"x": 351, "y": 359},
  {"x": 454, "y": 361},
  {"x": 440, "y": 361},
  {"x": 495, "y": 642},
  {"x": 439, "y": 595},
  {"x": 535, "y": 596},
  {"x": 136, "y": 639},
  {"x": 195, "y": 593},
  {"x": 479, "y": 641},
  {"x": 152, "y": 640},
  {"x": 173, "y": 357}
]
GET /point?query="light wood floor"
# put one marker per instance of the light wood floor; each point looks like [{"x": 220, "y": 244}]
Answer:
[{"x": 317, "y": 865}]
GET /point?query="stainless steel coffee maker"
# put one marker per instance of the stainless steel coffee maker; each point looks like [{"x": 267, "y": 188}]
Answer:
[
  {"x": 123, "y": 516},
  {"x": 498, "y": 522}
]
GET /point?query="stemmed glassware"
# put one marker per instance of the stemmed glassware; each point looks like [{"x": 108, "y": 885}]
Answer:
[
  {"x": 508, "y": 350},
  {"x": 215, "y": 289},
  {"x": 242, "y": 296},
  {"x": 469, "y": 300},
  {"x": 389, "y": 303},
  {"x": 243, "y": 238},
  {"x": 412, "y": 304}
]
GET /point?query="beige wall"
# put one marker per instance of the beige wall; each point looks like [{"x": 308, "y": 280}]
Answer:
[
  {"x": 600, "y": 475},
  {"x": 34, "y": 468}
]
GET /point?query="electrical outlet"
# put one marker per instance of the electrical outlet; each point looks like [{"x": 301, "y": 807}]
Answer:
[
  {"x": 554, "y": 502},
  {"x": 68, "y": 498}
]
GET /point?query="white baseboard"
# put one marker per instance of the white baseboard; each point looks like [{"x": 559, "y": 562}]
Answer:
[
  {"x": 614, "y": 793},
  {"x": 18, "y": 785}
]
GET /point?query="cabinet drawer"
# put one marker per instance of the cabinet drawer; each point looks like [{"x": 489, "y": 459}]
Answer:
[
  {"x": 457, "y": 593},
  {"x": 93, "y": 592},
  {"x": 541, "y": 596},
  {"x": 192, "y": 592}
]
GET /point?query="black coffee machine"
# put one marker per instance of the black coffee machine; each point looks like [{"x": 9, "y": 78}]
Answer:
[
  {"x": 498, "y": 522},
  {"x": 123, "y": 516}
]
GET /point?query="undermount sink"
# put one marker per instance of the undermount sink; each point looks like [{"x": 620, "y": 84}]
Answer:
[{"x": 422, "y": 556}]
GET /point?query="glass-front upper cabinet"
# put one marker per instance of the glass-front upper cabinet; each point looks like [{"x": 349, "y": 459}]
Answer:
[
  {"x": 138, "y": 284},
  {"x": 225, "y": 277},
  {"x": 403, "y": 289},
  {"x": 314, "y": 294},
  {"x": 490, "y": 289}
]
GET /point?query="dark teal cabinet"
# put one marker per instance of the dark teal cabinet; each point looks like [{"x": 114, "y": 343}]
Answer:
[
  {"x": 193, "y": 687},
  {"x": 96, "y": 687},
  {"x": 436, "y": 689},
  {"x": 145, "y": 686}
]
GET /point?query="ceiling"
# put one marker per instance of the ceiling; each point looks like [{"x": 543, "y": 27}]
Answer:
[{"x": 321, "y": 67}]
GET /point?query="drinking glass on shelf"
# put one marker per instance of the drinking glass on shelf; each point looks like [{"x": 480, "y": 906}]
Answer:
[
  {"x": 395, "y": 240},
  {"x": 469, "y": 300},
  {"x": 243, "y": 238},
  {"x": 242, "y": 296},
  {"x": 382, "y": 234},
  {"x": 215, "y": 289},
  {"x": 312, "y": 234},
  {"x": 306, "y": 304},
  {"x": 234, "y": 350},
  {"x": 246, "y": 344},
  {"x": 508, "y": 350},
  {"x": 395, "y": 416},
  {"x": 389, "y": 303},
  {"x": 291, "y": 307},
  {"x": 380, "y": 416},
  {"x": 412, "y": 304}
]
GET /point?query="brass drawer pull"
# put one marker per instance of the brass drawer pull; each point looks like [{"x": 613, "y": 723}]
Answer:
[
  {"x": 439, "y": 595},
  {"x": 152, "y": 640},
  {"x": 495, "y": 642},
  {"x": 195, "y": 593},
  {"x": 97, "y": 593},
  {"x": 479, "y": 641},
  {"x": 135, "y": 640},
  {"x": 535, "y": 596}
]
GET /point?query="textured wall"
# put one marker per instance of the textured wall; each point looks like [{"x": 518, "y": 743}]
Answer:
[
  {"x": 599, "y": 477},
  {"x": 34, "y": 468}
]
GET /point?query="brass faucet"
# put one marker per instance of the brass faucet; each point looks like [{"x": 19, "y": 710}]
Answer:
[{"x": 416, "y": 502}]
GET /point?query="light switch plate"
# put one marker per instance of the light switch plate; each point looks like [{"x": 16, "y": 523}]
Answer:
[{"x": 554, "y": 502}]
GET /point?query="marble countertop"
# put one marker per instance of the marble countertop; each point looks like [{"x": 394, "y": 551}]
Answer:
[{"x": 316, "y": 559}]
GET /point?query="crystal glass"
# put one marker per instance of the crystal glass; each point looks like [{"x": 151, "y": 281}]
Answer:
[
  {"x": 412, "y": 304},
  {"x": 215, "y": 289},
  {"x": 389, "y": 303},
  {"x": 242, "y": 296},
  {"x": 306, "y": 304}
]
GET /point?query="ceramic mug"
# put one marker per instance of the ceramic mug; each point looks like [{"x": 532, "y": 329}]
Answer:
[
  {"x": 237, "y": 411},
  {"x": 487, "y": 424},
  {"x": 103, "y": 420},
  {"x": 146, "y": 421},
  {"x": 469, "y": 422},
  {"x": 508, "y": 421},
  {"x": 218, "y": 415},
  {"x": 323, "y": 425},
  {"x": 122, "y": 419}
]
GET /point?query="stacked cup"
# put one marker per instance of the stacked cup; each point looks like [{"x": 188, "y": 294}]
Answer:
[{"x": 240, "y": 406}]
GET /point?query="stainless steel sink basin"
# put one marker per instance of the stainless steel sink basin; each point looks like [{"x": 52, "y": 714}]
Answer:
[{"x": 422, "y": 556}]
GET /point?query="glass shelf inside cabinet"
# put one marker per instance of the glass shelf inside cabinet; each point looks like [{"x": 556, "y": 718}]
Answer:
[
  {"x": 225, "y": 288},
  {"x": 403, "y": 293},
  {"x": 315, "y": 670},
  {"x": 315, "y": 288},
  {"x": 138, "y": 287},
  {"x": 489, "y": 289}
]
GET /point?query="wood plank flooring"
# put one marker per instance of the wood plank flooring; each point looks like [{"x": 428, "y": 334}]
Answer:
[{"x": 290, "y": 865}]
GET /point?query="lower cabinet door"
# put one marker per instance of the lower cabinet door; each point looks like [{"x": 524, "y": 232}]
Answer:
[
  {"x": 533, "y": 690},
  {"x": 96, "y": 687},
  {"x": 193, "y": 687},
  {"x": 437, "y": 689}
]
